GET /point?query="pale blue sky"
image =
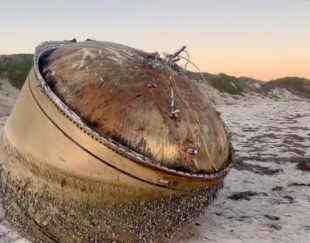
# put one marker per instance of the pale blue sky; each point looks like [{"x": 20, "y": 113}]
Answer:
[{"x": 258, "y": 38}]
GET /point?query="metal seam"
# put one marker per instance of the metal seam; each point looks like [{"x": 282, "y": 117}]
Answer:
[
  {"x": 44, "y": 47},
  {"x": 95, "y": 156}
]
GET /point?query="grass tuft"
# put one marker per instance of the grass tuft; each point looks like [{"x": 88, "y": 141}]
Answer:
[{"x": 16, "y": 68}]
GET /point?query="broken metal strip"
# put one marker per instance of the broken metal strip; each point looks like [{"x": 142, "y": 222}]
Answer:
[{"x": 48, "y": 46}]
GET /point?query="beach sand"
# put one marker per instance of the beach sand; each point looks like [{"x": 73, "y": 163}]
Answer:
[{"x": 265, "y": 198}]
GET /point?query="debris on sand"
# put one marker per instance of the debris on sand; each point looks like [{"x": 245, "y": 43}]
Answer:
[
  {"x": 303, "y": 166},
  {"x": 246, "y": 195}
]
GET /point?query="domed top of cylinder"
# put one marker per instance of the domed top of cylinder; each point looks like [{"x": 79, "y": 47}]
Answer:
[{"x": 141, "y": 101}]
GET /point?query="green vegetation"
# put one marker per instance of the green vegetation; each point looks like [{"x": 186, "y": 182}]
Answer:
[
  {"x": 222, "y": 82},
  {"x": 294, "y": 84},
  {"x": 16, "y": 68},
  {"x": 236, "y": 86}
]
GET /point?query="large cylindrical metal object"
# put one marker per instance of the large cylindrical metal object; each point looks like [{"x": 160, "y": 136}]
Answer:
[{"x": 62, "y": 181}]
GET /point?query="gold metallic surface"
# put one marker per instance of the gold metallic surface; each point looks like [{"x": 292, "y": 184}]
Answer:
[
  {"x": 54, "y": 143},
  {"x": 60, "y": 183}
]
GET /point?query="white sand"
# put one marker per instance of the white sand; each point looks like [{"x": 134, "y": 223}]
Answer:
[
  {"x": 266, "y": 130},
  {"x": 244, "y": 221}
]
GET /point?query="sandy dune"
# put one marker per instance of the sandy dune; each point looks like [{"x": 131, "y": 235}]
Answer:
[{"x": 265, "y": 198}]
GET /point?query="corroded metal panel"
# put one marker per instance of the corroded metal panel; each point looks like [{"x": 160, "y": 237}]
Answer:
[{"x": 65, "y": 180}]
